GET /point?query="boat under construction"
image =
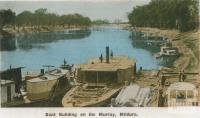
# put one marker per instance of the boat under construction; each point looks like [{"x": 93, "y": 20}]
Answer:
[
  {"x": 99, "y": 80},
  {"x": 44, "y": 86}
]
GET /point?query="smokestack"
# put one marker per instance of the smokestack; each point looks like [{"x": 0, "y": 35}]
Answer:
[
  {"x": 107, "y": 54},
  {"x": 42, "y": 71}
]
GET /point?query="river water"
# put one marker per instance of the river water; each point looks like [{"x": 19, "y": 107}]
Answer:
[{"x": 77, "y": 47}]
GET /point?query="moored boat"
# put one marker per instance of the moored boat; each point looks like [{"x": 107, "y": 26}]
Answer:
[
  {"x": 42, "y": 87},
  {"x": 166, "y": 51}
]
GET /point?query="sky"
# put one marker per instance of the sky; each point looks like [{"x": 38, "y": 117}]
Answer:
[{"x": 94, "y": 9}]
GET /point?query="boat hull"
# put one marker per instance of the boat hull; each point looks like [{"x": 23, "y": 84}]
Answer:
[
  {"x": 40, "y": 90},
  {"x": 71, "y": 100}
]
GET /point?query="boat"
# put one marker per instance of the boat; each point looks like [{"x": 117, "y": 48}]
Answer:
[
  {"x": 166, "y": 51},
  {"x": 43, "y": 87},
  {"x": 99, "y": 80},
  {"x": 86, "y": 95},
  {"x": 157, "y": 55}
]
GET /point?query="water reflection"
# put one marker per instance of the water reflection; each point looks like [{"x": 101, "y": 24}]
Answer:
[
  {"x": 38, "y": 40},
  {"x": 7, "y": 44}
]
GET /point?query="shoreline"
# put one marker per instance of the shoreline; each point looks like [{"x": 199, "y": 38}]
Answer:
[
  {"x": 14, "y": 31},
  {"x": 188, "y": 60},
  {"x": 28, "y": 30}
]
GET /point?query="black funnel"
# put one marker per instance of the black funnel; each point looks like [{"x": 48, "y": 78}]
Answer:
[{"x": 107, "y": 54}]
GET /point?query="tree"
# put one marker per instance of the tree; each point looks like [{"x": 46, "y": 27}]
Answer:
[
  {"x": 7, "y": 17},
  {"x": 25, "y": 18},
  {"x": 41, "y": 18},
  {"x": 179, "y": 14}
]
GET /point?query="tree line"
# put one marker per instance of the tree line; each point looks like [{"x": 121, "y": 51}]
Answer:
[
  {"x": 41, "y": 17},
  {"x": 177, "y": 14}
]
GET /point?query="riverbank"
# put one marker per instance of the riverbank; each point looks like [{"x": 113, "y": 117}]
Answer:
[
  {"x": 186, "y": 42},
  {"x": 15, "y": 31}
]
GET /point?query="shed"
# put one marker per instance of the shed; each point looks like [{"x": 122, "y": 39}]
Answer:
[
  {"x": 7, "y": 91},
  {"x": 13, "y": 74}
]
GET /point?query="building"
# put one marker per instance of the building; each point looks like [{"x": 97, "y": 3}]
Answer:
[
  {"x": 115, "y": 70},
  {"x": 182, "y": 94},
  {"x": 7, "y": 91},
  {"x": 13, "y": 74}
]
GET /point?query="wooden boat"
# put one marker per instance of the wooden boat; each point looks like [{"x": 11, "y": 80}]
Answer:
[
  {"x": 42, "y": 87},
  {"x": 98, "y": 81},
  {"x": 86, "y": 95}
]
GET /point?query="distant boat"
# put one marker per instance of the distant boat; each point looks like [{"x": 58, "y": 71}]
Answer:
[
  {"x": 166, "y": 51},
  {"x": 157, "y": 55}
]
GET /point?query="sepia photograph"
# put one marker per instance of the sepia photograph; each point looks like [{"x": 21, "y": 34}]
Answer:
[{"x": 107, "y": 54}]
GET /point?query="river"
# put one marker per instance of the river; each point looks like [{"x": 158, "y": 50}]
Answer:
[{"x": 77, "y": 46}]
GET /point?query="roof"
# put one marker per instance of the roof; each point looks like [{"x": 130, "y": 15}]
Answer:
[
  {"x": 53, "y": 75},
  {"x": 6, "y": 82},
  {"x": 117, "y": 62},
  {"x": 10, "y": 69},
  {"x": 182, "y": 86}
]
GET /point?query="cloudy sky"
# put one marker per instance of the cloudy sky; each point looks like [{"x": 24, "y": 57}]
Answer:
[{"x": 95, "y": 9}]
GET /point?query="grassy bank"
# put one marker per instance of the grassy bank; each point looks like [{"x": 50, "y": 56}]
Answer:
[{"x": 186, "y": 42}]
